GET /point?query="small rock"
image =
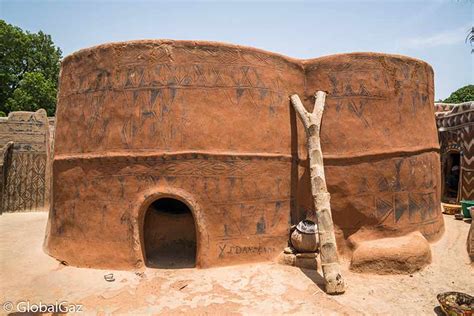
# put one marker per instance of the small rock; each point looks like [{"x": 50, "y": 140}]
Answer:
[
  {"x": 109, "y": 277},
  {"x": 289, "y": 250}
]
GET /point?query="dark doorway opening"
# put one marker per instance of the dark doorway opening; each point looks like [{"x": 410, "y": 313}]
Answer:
[
  {"x": 169, "y": 235},
  {"x": 451, "y": 173}
]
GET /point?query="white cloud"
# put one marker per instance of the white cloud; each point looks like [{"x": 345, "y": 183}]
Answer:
[{"x": 448, "y": 37}]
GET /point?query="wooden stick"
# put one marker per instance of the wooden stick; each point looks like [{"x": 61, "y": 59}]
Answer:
[{"x": 321, "y": 198}]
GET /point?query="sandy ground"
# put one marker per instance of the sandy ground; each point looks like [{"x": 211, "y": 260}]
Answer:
[{"x": 27, "y": 274}]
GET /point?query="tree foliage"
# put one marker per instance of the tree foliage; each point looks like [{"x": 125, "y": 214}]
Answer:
[
  {"x": 463, "y": 94},
  {"x": 29, "y": 69}
]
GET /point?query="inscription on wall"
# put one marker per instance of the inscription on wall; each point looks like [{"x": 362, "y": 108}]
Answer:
[{"x": 236, "y": 250}]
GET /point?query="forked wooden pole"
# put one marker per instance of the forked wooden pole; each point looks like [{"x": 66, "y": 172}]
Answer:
[{"x": 321, "y": 198}]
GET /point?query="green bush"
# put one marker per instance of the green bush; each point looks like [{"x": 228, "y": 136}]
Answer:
[{"x": 464, "y": 94}]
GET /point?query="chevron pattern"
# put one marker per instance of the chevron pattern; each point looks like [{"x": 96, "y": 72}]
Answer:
[
  {"x": 468, "y": 179},
  {"x": 457, "y": 123},
  {"x": 25, "y": 184},
  {"x": 468, "y": 144}
]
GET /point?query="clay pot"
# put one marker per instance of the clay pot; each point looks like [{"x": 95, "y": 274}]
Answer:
[{"x": 305, "y": 237}]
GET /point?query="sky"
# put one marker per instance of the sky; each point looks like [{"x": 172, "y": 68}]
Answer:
[{"x": 433, "y": 31}]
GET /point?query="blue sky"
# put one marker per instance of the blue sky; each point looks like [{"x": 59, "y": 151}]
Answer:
[{"x": 433, "y": 31}]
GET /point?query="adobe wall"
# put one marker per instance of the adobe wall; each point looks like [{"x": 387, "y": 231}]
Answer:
[
  {"x": 456, "y": 132},
  {"x": 51, "y": 122},
  {"x": 5, "y": 158},
  {"x": 26, "y": 172},
  {"x": 211, "y": 124},
  {"x": 380, "y": 144}
]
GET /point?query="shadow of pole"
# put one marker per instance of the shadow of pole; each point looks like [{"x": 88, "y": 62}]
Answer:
[{"x": 314, "y": 276}]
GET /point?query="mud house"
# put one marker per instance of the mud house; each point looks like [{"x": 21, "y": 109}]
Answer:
[
  {"x": 456, "y": 135},
  {"x": 165, "y": 147}
]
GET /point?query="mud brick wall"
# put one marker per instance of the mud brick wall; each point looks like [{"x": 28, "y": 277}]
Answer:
[
  {"x": 52, "y": 126},
  {"x": 5, "y": 157},
  {"x": 26, "y": 173},
  {"x": 211, "y": 125},
  {"x": 456, "y": 132}
]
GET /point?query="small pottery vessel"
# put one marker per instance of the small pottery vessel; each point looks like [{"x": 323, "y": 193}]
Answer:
[{"x": 305, "y": 237}]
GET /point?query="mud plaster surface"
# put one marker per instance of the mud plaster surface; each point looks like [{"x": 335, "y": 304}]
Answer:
[
  {"x": 210, "y": 124},
  {"x": 265, "y": 288}
]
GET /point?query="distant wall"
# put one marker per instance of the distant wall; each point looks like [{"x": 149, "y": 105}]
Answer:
[
  {"x": 5, "y": 157},
  {"x": 456, "y": 132},
  {"x": 444, "y": 107},
  {"x": 26, "y": 181},
  {"x": 52, "y": 126}
]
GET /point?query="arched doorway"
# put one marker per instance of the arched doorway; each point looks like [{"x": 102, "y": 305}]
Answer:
[
  {"x": 169, "y": 235},
  {"x": 451, "y": 176}
]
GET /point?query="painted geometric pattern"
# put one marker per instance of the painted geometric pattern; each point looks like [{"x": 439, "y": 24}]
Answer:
[
  {"x": 26, "y": 171},
  {"x": 466, "y": 135},
  {"x": 25, "y": 182},
  {"x": 452, "y": 108},
  {"x": 457, "y": 129},
  {"x": 443, "y": 107},
  {"x": 189, "y": 76},
  {"x": 466, "y": 140}
]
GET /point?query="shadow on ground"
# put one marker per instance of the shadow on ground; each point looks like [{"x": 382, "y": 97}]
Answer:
[{"x": 314, "y": 276}]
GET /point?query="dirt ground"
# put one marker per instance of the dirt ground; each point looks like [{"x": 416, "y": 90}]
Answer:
[{"x": 27, "y": 274}]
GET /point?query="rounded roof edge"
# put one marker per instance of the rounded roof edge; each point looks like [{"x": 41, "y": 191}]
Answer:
[
  {"x": 179, "y": 43},
  {"x": 370, "y": 54},
  {"x": 203, "y": 43}
]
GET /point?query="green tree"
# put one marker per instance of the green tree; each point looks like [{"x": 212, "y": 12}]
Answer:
[
  {"x": 463, "y": 94},
  {"x": 29, "y": 69}
]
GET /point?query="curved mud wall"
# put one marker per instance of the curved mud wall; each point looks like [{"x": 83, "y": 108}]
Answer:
[
  {"x": 380, "y": 144},
  {"x": 211, "y": 124}
]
